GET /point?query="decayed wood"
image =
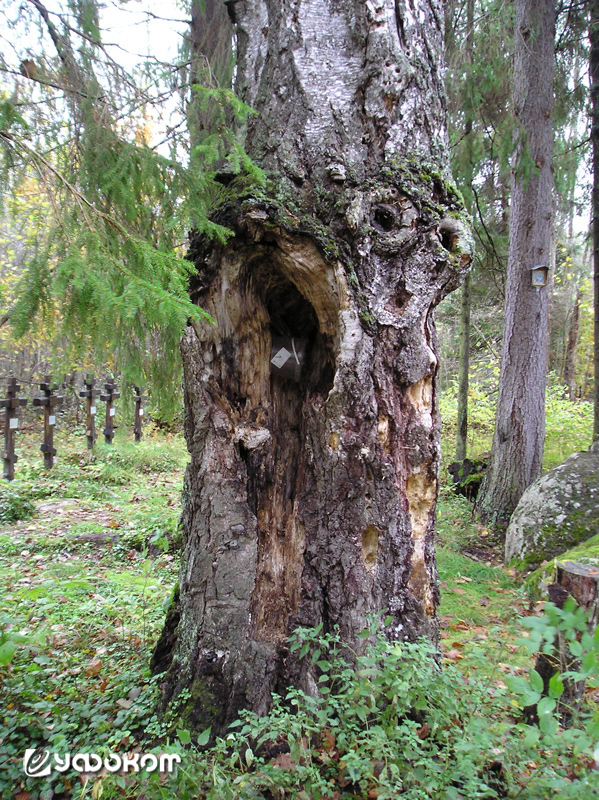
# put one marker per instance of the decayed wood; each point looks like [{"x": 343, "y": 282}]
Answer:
[
  {"x": 312, "y": 500},
  {"x": 582, "y": 582}
]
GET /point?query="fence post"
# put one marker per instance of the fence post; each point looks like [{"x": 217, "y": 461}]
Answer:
[
  {"x": 10, "y": 404},
  {"x": 109, "y": 398},
  {"x": 90, "y": 393},
  {"x": 48, "y": 402},
  {"x": 139, "y": 414}
]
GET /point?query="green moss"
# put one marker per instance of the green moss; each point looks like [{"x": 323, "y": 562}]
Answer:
[
  {"x": 586, "y": 552},
  {"x": 198, "y": 707},
  {"x": 560, "y": 542}
]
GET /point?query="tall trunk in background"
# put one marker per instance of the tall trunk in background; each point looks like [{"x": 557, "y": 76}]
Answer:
[
  {"x": 464, "y": 335},
  {"x": 517, "y": 453},
  {"x": 211, "y": 66},
  {"x": 461, "y": 449},
  {"x": 570, "y": 354},
  {"x": 594, "y": 81},
  {"x": 311, "y": 407}
]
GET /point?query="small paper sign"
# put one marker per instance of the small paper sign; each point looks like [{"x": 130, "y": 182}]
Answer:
[
  {"x": 112, "y": 412},
  {"x": 14, "y": 423},
  {"x": 141, "y": 412},
  {"x": 52, "y": 420},
  {"x": 92, "y": 410},
  {"x": 281, "y": 358}
]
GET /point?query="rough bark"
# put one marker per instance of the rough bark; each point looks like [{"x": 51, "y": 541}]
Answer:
[
  {"x": 570, "y": 354},
  {"x": 461, "y": 449},
  {"x": 313, "y": 500},
  {"x": 594, "y": 81},
  {"x": 517, "y": 452}
]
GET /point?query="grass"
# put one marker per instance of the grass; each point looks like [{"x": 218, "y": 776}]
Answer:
[
  {"x": 83, "y": 599},
  {"x": 569, "y": 424}
]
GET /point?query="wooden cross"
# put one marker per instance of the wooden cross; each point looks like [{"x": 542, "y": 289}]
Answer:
[
  {"x": 90, "y": 393},
  {"x": 140, "y": 399},
  {"x": 48, "y": 402},
  {"x": 109, "y": 398},
  {"x": 10, "y": 404}
]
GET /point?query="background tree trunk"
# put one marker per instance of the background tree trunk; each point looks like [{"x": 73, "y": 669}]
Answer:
[
  {"x": 517, "y": 452},
  {"x": 461, "y": 448},
  {"x": 594, "y": 80},
  {"x": 570, "y": 354},
  {"x": 312, "y": 500}
]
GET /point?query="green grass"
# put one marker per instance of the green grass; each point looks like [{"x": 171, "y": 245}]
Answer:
[{"x": 82, "y": 601}]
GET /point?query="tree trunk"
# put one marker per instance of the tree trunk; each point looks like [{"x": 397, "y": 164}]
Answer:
[
  {"x": 461, "y": 449},
  {"x": 517, "y": 453},
  {"x": 594, "y": 81},
  {"x": 310, "y": 497},
  {"x": 570, "y": 354}
]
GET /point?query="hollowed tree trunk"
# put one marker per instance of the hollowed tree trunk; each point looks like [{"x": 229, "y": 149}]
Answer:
[{"x": 312, "y": 500}]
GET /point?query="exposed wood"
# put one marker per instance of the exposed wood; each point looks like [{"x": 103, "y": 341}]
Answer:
[{"x": 582, "y": 582}]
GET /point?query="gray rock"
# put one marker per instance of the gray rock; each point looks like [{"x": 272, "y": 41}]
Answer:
[{"x": 557, "y": 512}]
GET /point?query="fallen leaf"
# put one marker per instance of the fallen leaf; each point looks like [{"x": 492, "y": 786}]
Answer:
[
  {"x": 328, "y": 740},
  {"x": 94, "y": 666},
  {"x": 453, "y": 655},
  {"x": 424, "y": 731},
  {"x": 124, "y": 703},
  {"x": 283, "y": 761}
]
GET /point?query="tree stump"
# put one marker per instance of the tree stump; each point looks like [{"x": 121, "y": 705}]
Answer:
[{"x": 582, "y": 582}]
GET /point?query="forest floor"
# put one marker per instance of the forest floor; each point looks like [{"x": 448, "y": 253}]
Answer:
[{"x": 86, "y": 577}]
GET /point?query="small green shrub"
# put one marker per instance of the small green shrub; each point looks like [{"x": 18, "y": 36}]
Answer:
[
  {"x": 390, "y": 723},
  {"x": 15, "y": 503}
]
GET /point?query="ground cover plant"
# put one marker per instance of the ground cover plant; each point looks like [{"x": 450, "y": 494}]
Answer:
[{"x": 84, "y": 585}]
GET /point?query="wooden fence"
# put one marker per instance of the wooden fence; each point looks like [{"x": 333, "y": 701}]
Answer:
[{"x": 49, "y": 401}]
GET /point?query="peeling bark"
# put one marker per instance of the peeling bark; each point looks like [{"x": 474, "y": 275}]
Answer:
[{"x": 313, "y": 500}]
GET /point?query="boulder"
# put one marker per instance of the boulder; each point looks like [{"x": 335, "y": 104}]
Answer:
[{"x": 557, "y": 512}]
